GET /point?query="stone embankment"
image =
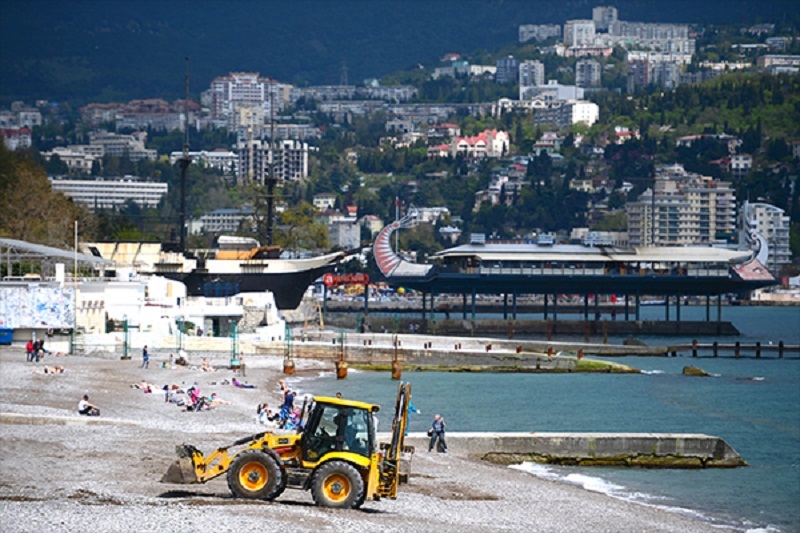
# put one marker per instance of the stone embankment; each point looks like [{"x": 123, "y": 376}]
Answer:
[
  {"x": 377, "y": 351},
  {"x": 645, "y": 450}
]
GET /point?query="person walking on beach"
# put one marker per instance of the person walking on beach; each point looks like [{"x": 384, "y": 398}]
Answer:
[
  {"x": 29, "y": 350},
  {"x": 145, "y": 358},
  {"x": 436, "y": 432}
]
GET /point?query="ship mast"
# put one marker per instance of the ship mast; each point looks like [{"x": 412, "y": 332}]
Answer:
[
  {"x": 270, "y": 179},
  {"x": 184, "y": 162}
]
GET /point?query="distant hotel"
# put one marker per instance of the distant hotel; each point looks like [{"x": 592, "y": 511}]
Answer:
[{"x": 111, "y": 193}]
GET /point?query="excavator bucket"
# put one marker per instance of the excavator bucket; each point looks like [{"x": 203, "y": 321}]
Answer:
[{"x": 182, "y": 471}]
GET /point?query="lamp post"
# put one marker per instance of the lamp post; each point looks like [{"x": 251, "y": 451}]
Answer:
[{"x": 125, "y": 337}]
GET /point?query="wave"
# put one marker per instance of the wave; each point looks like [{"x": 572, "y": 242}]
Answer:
[
  {"x": 602, "y": 486},
  {"x": 653, "y": 372}
]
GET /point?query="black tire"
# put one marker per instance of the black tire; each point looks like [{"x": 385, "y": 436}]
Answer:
[
  {"x": 255, "y": 475},
  {"x": 338, "y": 485}
]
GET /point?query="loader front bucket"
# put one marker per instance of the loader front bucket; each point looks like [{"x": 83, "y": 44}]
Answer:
[{"x": 182, "y": 471}]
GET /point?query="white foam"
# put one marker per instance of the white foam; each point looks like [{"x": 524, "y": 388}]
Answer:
[
  {"x": 649, "y": 372},
  {"x": 602, "y": 486}
]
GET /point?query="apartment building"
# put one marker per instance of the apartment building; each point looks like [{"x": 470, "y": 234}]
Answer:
[
  {"x": 578, "y": 33},
  {"x": 587, "y": 73},
  {"x": 488, "y": 143},
  {"x": 538, "y": 32},
  {"x": 685, "y": 209},
  {"x": 226, "y": 93},
  {"x": 117, "y": 145},
  {"x": 15, "y": 138},
  {"x": 289, "y": 161},
  {"x": 222, "y": 221},
  {"x": 604, "y": 17},
  {"x": 531, "y": 74},
  {"x": 770, "y": 222},
  {"x": 111, "y": 193},
  {"x": 567, "y": 113},
  {"x": 223, "y": 160},
  {"x": 507, "y": 70},
  {"x": 77, "y": 160}
]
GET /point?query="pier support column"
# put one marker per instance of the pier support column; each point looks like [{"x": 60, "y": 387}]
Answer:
[
  {"x": 555, "y": 306},
  {"x": 324, "y": 299},
  {"x": 586, "y": 307},
  {"x": 505, "y": 306},
  {"x": 719, "y": 308},
  {"x": 473, "y": 304},
  {"x": 678, "y": 308},
  {"x": 464, "y": 305},
  {"x": 514, "y": 305},
  {"x": 424, "y": 303},
  {"x": 433, "y": 306},
  {"x": 708, "y": 308},
  {"x": 638, "y": 315},
  {"x": 545, "y": 306},
  {"x": 627, "y": 301},
  {"x": 597, "y": 307},
  {"x": 666, "y": 308}
]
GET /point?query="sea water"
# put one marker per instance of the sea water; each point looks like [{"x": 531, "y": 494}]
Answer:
[{"x": 754, "y": 404}]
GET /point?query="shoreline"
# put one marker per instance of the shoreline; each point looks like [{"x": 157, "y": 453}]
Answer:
[{"x": 105, "y": 476}]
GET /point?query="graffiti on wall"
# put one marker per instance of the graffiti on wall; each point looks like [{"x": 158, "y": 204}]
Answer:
[{"x": 37, "y": 307}]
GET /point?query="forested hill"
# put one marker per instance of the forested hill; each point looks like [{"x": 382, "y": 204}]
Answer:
[{"x": 114, "y": 51}]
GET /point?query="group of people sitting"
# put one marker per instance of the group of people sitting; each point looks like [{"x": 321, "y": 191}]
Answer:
[{"x": 287, "y": 416}]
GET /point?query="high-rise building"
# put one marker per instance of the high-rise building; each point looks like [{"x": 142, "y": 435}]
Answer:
[
  {"x": 770, "y": 222},
  {"x": 587, "y": 73},
  {"x": 604, "y": 17},
  {"x": 507, "y": 70},
  {"x": 531, "y": 73},
  {"x": 289, "y": 162},
  {"x": 246, "y": 89},
  {"x": 579, "y": 33},
  {"x": 686, "y": 209}
]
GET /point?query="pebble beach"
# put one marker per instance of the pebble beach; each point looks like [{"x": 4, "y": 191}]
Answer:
[{"x": 63, "y": 472}]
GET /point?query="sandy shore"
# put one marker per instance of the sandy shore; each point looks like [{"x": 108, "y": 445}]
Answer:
[{"x": 58, "y": 473}]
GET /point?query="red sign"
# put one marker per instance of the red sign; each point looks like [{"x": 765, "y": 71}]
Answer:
[{"x": 345, "y": 279}]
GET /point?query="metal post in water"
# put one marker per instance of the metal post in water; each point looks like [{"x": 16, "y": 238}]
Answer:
[
  {"x": 716, "y": 348},
  {"x": 758, "y": 349},
  {"x": 780, "y": 350},
  {"x": 736, "y": 349},
  {"x": 694, "y": 347}
]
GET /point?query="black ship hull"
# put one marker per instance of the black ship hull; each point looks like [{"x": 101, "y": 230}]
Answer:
[{"x": 287, "y": 287}]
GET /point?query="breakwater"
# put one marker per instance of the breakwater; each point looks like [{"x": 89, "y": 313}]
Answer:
[
  {"x": 549, "y": 328},
  {"x": 644, "y": 450}
]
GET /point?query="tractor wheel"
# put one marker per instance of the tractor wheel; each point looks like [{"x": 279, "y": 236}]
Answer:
[
  {"x": 255, "y": 475},
  {"x": 339, "y": 485}
]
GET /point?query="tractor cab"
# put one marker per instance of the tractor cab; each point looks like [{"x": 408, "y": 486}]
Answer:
[{"x": 337, "y": 425}]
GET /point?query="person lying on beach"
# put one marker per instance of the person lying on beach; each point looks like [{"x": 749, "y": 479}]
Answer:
[
  {"x": 214, "y": 400},
  {"x": 58, "y": 369},
  {"x": 206, "y": 366},
  {"x": 144, "y": 386},
  {"x": 236, "y": 383},
  {"x": 265, "y": 414}
]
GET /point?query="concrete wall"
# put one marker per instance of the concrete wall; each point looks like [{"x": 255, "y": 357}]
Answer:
[{"x": 649, "y": 450}]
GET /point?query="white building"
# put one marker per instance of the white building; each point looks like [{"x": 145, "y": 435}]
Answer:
[
  {"x": 78, "y": 161},
  {"x": 221, "y": 221},
  {"x": 773, "y": 224},
  {"x": 222, "y": 160},
  {"x": 288, "y": 162},
  {"x": 237, "y": 89},
  {"x": 117, "y": 145},
  {"x": 578, "y": 33},
  {"x": 686, "y": 209},
  {"x": 111, "y": 193}
]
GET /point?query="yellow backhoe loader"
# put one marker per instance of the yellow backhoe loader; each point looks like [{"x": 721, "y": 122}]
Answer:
[{"x": 336, "y": 456}]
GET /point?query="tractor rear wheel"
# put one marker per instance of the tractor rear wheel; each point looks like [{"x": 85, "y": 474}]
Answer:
[
  {"x": 338, "y": 485},
  {"x": 255, "y": 475}
]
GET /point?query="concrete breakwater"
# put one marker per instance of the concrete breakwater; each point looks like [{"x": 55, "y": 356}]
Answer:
[
  {"x": 423, "y": 352},
  {"x": 644, "y": 450},
  {"x": 511, "y": 328}
]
